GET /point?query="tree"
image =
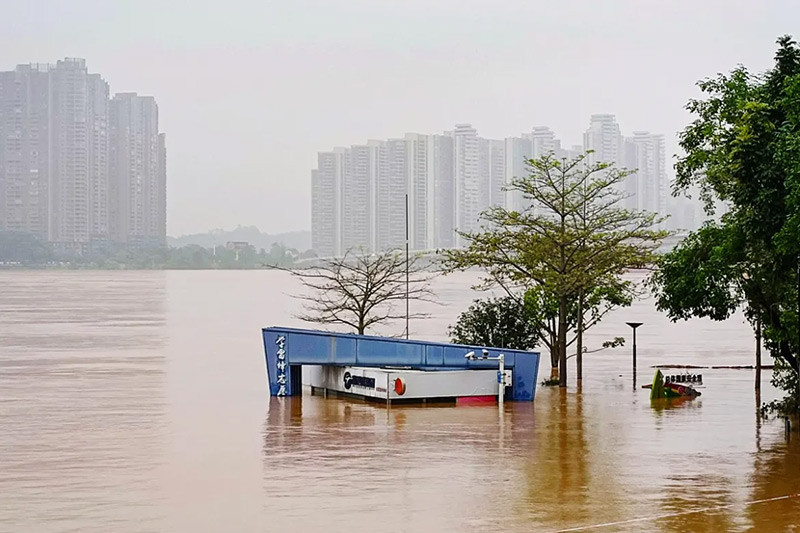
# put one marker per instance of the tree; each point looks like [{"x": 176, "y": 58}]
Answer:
[
  {"x": 21, "y": 247},
  {"x": 281, "y": 256},
  {"x": 501, "y": 322},
  {"x": 573, "y": 238},
  {"x": 743, "y": 151},
  {"x": 361, "y": 290}
]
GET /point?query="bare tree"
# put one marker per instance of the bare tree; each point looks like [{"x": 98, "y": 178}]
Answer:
[{"x": 360, "y": 290}]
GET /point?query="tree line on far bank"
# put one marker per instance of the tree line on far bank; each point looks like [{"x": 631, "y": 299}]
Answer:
[
  {"x": 559, "y": 263},
  {"x": 25, "y": 250}
]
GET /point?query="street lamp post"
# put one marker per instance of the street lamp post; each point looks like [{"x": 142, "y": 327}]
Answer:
[{"x": 633, "y": 326}]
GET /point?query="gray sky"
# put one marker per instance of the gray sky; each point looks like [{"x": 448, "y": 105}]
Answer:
[{"x": 249, "y": 91}]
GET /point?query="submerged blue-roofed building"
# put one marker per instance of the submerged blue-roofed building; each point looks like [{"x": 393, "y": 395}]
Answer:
[{"x": 393, "y": 369}]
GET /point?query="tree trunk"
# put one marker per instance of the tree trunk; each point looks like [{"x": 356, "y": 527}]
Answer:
[
  {"x": 579, "y": 340},
  {"x": 562, "y": 341},
  {"x": 553, "y": 351},
  {"x": 758, "y": 354}
]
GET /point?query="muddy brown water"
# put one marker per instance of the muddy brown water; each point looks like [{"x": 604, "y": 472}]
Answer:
[{"x": 137, "y": 401}]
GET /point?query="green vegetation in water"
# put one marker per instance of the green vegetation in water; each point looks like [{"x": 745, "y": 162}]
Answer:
[
  {"x": 742, "y": 151},
  {"x": 501, "y": 322},
  {"x": 565, "y": 261}
]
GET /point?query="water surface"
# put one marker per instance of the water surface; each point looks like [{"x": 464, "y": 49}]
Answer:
[{"x": 137, "y": 401}]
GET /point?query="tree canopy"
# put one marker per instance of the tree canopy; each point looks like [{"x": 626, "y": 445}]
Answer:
[
  {"x": 742, "y": 151},
  {"x": 574, "y": 238},
  {"x": 502, "y": 322}
]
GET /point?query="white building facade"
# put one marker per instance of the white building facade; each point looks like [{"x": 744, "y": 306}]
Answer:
[{"x": 359, "y": 193}]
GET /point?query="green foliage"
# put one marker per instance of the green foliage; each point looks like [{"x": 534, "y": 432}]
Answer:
[
  {"x": 784, "y": 378},
  {"x": 698, "y": 278},
  {"x": 743, "y": 152},
  {"x": 501, "y": 322},
  {"x": 615, "y": 342},
  {"x": 22, "y": 248},
  {"x": 574, "y": 238}
]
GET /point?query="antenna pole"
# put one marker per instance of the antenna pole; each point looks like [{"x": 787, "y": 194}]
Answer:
[{"x": 407, "y": 305}]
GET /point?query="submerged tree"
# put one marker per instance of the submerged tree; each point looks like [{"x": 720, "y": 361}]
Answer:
[
  {"x": 573, "y": 238},
  {"x": 361, "y": 290},
  {"x": 523, "y": 322},
  {"x": 502, "y": 322},
  {"x": 743, "y": 151}
]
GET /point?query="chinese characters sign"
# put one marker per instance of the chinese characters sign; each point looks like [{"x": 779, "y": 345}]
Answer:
[{"x": 281, "y": 342}]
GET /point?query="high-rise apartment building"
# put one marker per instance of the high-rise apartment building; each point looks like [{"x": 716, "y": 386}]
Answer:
[
  {"x": 326, "y": 184},
  {"x": 491, "y": 165},
  {"x": 449, "y": 180},
  {"x": 517, "y": 151},
  {"x": 391, "y": 188},
  {"x": 605, "y": 140},
  {"x": 79, "y": 151},
  {"x": 54, "y": 153},
  {"x": 25, "y": 149},
  {"x": 357, "y": 183},
  {"x": 497, "y": 172},
  {"x": 359, "y": 195},
  {"x": 420, "y": 186},
  {"x": 643, "y": 154},
  {"x": 466, "y": 178},
  {"x": 543, "y": 142},
  {"x": 646, "y": 187},
  {"x": 58, "y": 179},
  {"x": 441, "y": 204},
  {"x": 137, "y": 183}
]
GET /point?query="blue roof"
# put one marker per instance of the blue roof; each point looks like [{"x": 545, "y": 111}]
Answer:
[{"x": 294, "y": 346}]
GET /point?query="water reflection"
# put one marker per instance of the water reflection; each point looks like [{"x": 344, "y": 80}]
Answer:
[
  {"x": 776, "y": 474},
  {"x": 570, "y": 472},
  {"x": 566, "y": 461}
]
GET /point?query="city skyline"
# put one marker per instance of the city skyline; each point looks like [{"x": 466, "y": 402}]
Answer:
[
  {"x": 359, "y": 193},
  {"x": 250, "y": 92},
  {"x": 79, "y": 168}
]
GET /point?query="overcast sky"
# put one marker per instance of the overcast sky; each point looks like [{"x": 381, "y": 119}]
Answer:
[{"x": 250, "y": 91}]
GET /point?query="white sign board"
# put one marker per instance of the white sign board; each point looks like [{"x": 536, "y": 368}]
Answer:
[{"x": 395, "y": 384}]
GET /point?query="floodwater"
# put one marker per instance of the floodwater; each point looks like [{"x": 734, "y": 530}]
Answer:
[{"x": 137, "y": 401}]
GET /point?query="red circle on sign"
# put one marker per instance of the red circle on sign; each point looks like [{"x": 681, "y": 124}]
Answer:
[{"x": 399, "y": 386}]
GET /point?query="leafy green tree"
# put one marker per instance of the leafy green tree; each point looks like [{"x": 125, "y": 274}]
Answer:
[
  {"x": 523, "y": 322},
  {"x": 501, "y": 322},
  {"x": 743, "y": 152},
  {"x": 573, "y": 239}
]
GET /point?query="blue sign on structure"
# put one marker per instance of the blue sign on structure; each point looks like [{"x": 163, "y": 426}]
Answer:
[{"x": 286, "y": 349}]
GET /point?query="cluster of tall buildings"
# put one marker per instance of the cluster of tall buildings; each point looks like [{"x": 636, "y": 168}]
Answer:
[
  {"x": 79, "y": 168},
  {"x": 359, "y": 193}
]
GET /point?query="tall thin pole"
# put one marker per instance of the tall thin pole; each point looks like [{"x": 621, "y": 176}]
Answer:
[
  {"x": 797, "y": 357},
  {"x": 633, "y": 326},
  {"x": 407, "y": 305},
  {"x": 758, "y": 353},
  {"x": 579, "y": 344}
]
